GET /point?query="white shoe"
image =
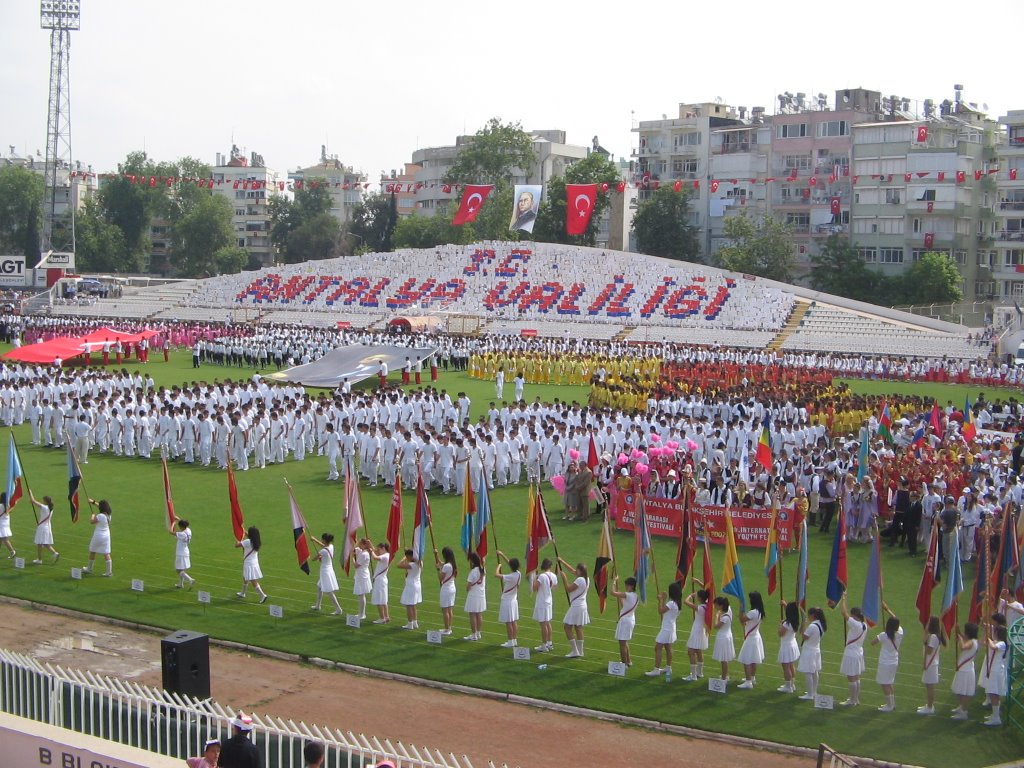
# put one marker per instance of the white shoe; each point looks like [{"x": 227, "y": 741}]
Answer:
[
  {"x": 886, "y": 708},
  {"x": 806, "y": 697},
  {"x": 446, "y": 632},
  {"x": 380, "y": 621},
  {"x": 926, "y": 710},
  {"x": 470, "y": 637},
  {"x": 656, "y": 672},
  {"x": 746, "y": 685},
  {"x": 541, "y": 648},
  {"x": 336, "y": 613},
  {"x": 959, "y": 714},
  {"x": 576, "y": 655},
  {"x": 849, "y": 703},
  {"x": 408, "y": 626},
  {"x": 240, "y": 594},
  {"x": 690, "y": 678},
  {"x": 508, "y": 644},
  {"x": 992, "y": 721},
  {"x": 314, "y": 607}
]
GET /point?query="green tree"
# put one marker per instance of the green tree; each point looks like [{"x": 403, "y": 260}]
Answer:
[
  {"x": 230, "y": 259},
  {"x": 595, "y": 168},
  {"x": 763, "y": 248},
  {"x": 200, "y": 234},
  {"x": 932, "y": 279},
  {"x": 374, "y": 221},
  {"x": 429, "y": 231},
  {"x": 287, "y": 216},
  {"x": 493, "y": 154},
  {"x": 99, "y": 245},
  {"x": 839, "y": 269},
  {"x": 661, "y": 226},
  {"x": 314, "y": 239},
  {"x": 21, "y": 200}
]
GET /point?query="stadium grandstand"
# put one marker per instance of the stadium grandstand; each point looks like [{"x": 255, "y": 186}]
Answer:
[{"x": 547, "y": 290}]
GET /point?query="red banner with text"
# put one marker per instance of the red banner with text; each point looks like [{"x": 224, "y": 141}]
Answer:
[{"x": 665, "y": 518}]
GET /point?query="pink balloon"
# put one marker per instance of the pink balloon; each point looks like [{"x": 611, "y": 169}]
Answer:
[
  {"x": 623, "y": 459},
  {"x": 643, "y": 470},
  {"x": 574, "y": 454},
  {"x": 558, "y": 483},
  {"x": 672, "y": 444},
  {"x": 655, "y": 438},
  {"x": 691, "y": 446},
  {"x": 636, "y": 453}
]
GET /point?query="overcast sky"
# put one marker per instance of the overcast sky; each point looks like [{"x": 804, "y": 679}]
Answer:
[{"x": 377, "y": 80}]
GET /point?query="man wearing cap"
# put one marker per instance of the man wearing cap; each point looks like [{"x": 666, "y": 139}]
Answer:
[{"x": 238, "y": 751}]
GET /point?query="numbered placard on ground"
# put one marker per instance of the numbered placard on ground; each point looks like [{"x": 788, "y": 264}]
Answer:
[
  {"x": 76, "y": 573},
  {"x": 617, "y": 668},
  {"x": 824, "y": 702},
  {"x": 353, "y": 620},
  {"x": 521, "y": 653},
  {"x": 138, "y": 585},
  {"x": 434, "y": 637},
  {"x": 204, "y": 597},
  {"x": 717, "y": 685},
  {"x": 277, "y": 611},
  {"x": 19, "y": 563}
]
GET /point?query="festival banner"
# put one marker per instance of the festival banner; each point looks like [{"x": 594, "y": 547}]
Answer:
[{"x": 665, "y": 518}]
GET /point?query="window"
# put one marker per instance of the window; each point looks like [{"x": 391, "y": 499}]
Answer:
[
  {"x": 799, "y": 222},
  {"x": 927, "y": 194},
  {"x": 868, "y": 255},
  {"x": 890, "y": 255},
  {"x": 692, "y": 139},
  {"x": 986, "y": 258},
  {"x": 960, "y": 257},
  {"x": 686, "y": 168},
  {"x": 917, "y": 253},
  {"x": 1013, "y": 258},
  {"x": 797, "y": 162},
  {"x": 892, "y": 196},
  {"x": 915, "y": 226},
  {"x": 791, "y": 130},
  {"x": 241, "y": 242},
  {"x": 833, "y": 128}
]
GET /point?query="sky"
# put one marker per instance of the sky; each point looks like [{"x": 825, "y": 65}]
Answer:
[{"x": 374, "y": 81}]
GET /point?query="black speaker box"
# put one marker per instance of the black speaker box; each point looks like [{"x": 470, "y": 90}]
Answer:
[{"x": 185, "y": 659}]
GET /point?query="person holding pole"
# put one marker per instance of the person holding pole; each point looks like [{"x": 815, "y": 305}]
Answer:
[
  {"x": 327, "y": 582},
  {"x": 476, "y": 596},
  {"x": 100, "y": 542},
  {"x": 995, "y": 663},
  {"x": 965, "y": 681},
  {"x": 251, "y": 572},
  {"x": 182, "y": 555},
  {"x": 412, "y": 592},
  {"x": 44, "y": 528},
  {"x": 934, "y": 639},
  {"x": 361, "y": 583},
  {"x": 5, "y": 526},
  {"x": 628, "y": 600},
  {"x": 789, "y": 649},
  {"x": 668, "y": 606},
  {"x": 725, "y": 647},
  {"x": 752, "y": 650},
  {"x": 810, "y": 652},
  {"x": 852, "y": 664},
  {"x": 543, "y": 608},
  {"x": 578, "y": 615},
  {"x": 447, "y": 572},
  {"x": 508, "y": 609},
  {"x": 697, "y": 642},
  {"x": 888, "y": 658}
]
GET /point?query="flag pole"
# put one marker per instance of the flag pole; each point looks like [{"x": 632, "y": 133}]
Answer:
[
  {"x": 554, "y": 542},
  {"x": 24, "y": 476},
  {"x": 650, "y": 550},
  {"x": 78, "y": 468},
  {"x": 780, "y": 552},
  {"x": 611, "y": 542}
]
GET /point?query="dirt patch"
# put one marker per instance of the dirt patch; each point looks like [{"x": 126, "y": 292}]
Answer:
[{"x": 481, "y": 729}]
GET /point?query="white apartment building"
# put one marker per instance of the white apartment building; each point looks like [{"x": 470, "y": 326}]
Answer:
[
  {"x": 344, "y": 184},
  {"x": 1006, "y": 259},
  {"x": 248, "y": 185}
]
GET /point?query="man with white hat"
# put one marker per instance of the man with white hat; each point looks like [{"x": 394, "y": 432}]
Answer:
[{"x": 238, "y": 751}]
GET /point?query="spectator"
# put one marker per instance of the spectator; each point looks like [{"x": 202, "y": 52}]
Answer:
[
  {"x": 238, "y": 751},
  {"x": 211, "y": 754}
]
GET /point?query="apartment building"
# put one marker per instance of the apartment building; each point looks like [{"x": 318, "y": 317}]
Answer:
[
  {"x": 1005, "y": 261},
  {"x": 248, "y": 185},
  {"x": 344, "y": 184},
  {"x": 404, "y": 186}
]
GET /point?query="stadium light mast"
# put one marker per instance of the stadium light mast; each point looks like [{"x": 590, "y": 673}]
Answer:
[{"x": 61, "y": 17}]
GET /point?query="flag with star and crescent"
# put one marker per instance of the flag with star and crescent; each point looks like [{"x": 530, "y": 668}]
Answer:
[
  {"x": 580, "y": 200},
  {"x": 473, "y": 196}
]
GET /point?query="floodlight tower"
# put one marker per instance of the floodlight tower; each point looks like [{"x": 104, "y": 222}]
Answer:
[{"x": 61, "y": 17}]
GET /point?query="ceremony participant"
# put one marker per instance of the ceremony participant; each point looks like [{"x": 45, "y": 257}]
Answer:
[
  {"x": 725, "y": 647},
  {"x": 852, "y": 665},
  {"x": 752, "y": 651},
  {"x": 327, "y": 581},
  {"x": 543, "y": 603},
  {"x": 446, "y": 573},
  {"x": 412, "y": 592},
  {"x": 476, "y": 596},
  {"x": 810, "y": 652},
  {"x": 668, "y": 606},
  {"x": 697, "y": 642},
  {"x": 238, "y": 751},
  {"x": 995, "y": 664},
  {"x": 361, "y": 583},
  {"x": 628, "y": 600},
  {"x": 789, "y": 649},
  {"x": 99, "y": 544},
  {"x": 888, "y": 658},
  {"x": 182, "y": 555},
  {"x": 44, "y": 528},
  {"x": 379, "y": 594},
  {"x": 508, "y": 609},
  {"x": 934, "y": 639},
  {"x": 251, "y": 573},
  {"x": 964, "y": 680},
  {"x": 578, "y": 615},
  {"x": 5, "y": 526}
]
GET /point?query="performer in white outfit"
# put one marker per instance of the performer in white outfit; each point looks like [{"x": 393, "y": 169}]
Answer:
[
  {"x": 446, "y": 573},
  {"x": 725, "y": 647},
  {"x": 182, "y": 555},
  {"x": 578, "y": 615},
  {"x": 810, "y": 652},
  {"x": 852, "y": 664},
  {"x": 543, "y": 608},
  {"x": 668, "y": 606},
  {"x": 412, "y": 593},
  {"x": 934, "y": 639},
  {"x": 379, "y": 594},
  {"x": 251, "y": 573},
  {"x": 888, "y": 658},
  {"x": 508, "y": 609},
  {"x": 995, "y": 668},
  {"x": 964, "y": 681},
  {"x": 752, "y": 650},
  {"x": 100, "y": 542},
  {"x": 5, "y": 526},
  {"x": 697, "y": 642},
  {"x": 789, "y": 649},
  {"x": 327, "y": 583},
  {"x": 628, "y": 600},
  {"x": 361, "y": 583},
  {"x": 44, "y": 528},
  {"x": 476, "y": 596}
]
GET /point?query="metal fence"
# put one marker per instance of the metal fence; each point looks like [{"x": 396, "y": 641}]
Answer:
[
  {"x": 829, "y": 758},
  {"x": 178, "y": 726}
]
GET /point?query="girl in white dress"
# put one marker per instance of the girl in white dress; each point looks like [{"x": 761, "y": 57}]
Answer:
[
  {"x": 789, "y": 649},
  {"x": 627, "y": 617},
  {"x": 412, "y": 592},
  {"x": 476, "y": 596},
  {"x": 327, "y": 583},
  {"x": 99, "y": 544},
  {"x": 995, "y": 666},
  {"x": 508, "y": 609},
  {"x": 543, "y": 608},
  {"x": 446, "y": 573},
  {"x": 5, "y": 526},
  {"x": 725, "y": 648},
  {"x": 251, "y": 573},
  {"x": 852, "y": 664},
  {"x": 44, "y": 528},
  {"x": 810, "y": 652},
  {"x": 888, "y": 658},
  {"x": 964, "y": 681},
  {"x": 697, "y": 642},
  {"x": 668, "y": 606},
  {"x": 182, "y": 554},
  {"x": 578, "y": 615},
  {"x": 361, "y": 583},
  {"x": 934, "y": 639},
  {"x": 379, "y": 594},
  {"x": 752, "y": 650}
]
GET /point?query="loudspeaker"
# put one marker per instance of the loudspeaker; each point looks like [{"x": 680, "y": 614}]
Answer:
[{"x": 185, "y": 658}]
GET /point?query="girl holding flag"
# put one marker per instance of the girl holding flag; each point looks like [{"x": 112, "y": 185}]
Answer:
[
  {"x": 412, "y": 592},
  {"x": 5, "y": 526},
  {"x": 361, "y": 584},
  {"x": 725, "y": 646},
  {"x": 476, "y": 596},
  {"x": 379, "y": 594},
  {"x": 508, "y": 610},
  {"x": 543, "y": 608},
  {"x": 888, "y": 658},
  {"x": 697, "y": 642},
  {"x": 789, "y": 649},
  {"x": 934, "y": 639},
  {"x": 852, "y": 664},
  {"x": 578, "y": 616},
  {"x": 752, "y": 650},
  {"x": 964, "y": 681},
  {"x": 44, "y": 528},
  {"x": 327, "y": 582},
  {"x": 251, "y": 572},
  {"x": 182, "y": 555},
  {"x": 810, "y": 653},
  {"x": 446, "y": 574},
  {"x": 627, "y": 617},
  {"x": 100, "y": 542},
  {"x": 995, "y": 667},
  {"x": 668, "y": 606}
]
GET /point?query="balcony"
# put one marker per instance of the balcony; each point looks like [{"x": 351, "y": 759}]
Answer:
[
  {"x": 1012, "y": 205},
  {"x": 938, "y": 206},
  {"x": 831, "y": 229},
  {"x": 735, "y": 148},
  {"x": 1011, "y": 235},
  {"x": 687, "y": 150}
]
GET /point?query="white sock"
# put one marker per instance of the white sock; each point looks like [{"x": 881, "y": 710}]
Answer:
[{"x": 579, "y": 647}]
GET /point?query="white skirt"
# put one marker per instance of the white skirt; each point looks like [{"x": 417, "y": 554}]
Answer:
[
  {"x": 725, "y": 647},
  {"x": 100, "y": 543},
  {"x": 666, "y": 636},
  {"x": 577, "y": 615},
  {"x": 5, "y": 527},
  {"x": 412, "y": 593},
  {"x": 328, "y": 581},
  {"x": 251, "y": 570},
  {"x": 476, "y": 601},
  {"x": 182, "y": 562},
  {"x": 379, "y": 593},
  {"x": 508, "y": 610},
  {"x": 931, "y": 675},
  {"x": 996, "y": 683},
  {"x": 448, "y": 596},
  {"x": 853, "y": 662},
  {"x": 752, "y": 650},
  {"x": 789, "y": 652},
  {"x": 698, "y": 639},
  {"x": 624, "y": 629},
  {"x": 362, "y": 584},
  {"x": 810, "y": 661},
  {"x": 886, "y": 674},
  {"x": 44, "y": 535},
  {"x": 542, "y": 611},
  {"x": 964, "y": 682}
]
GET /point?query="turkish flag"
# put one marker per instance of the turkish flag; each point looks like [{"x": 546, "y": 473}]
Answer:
[
  {"x": 856, "y": 179},
  {"x": 235, "y": 186},
  {"x": 806, "y": 193},
  {"x": 908, "y": 176},
  {"x": 298, "y": 184},
  {"x": 813, "y": 181},
  {"x": 961, "y": 177},
  {"x": 978, "y": 175},
  {"x": 280, "y": 186},
  {"x": 152, "y": 181},
  {"x": 835, "y": 206},
  {"x": 620, "y": 187},
  {"x": 604, "y": 187},
  {"x": 941, "y": 176},
  {"x": 714, "y": 185},
  {"x": 447, "y": 189},
  {"x": 580, "y": 200},
  {"x": 929, "y": 239},
  {"x": 931, "y": 206},
  {"x": 696, "y": 184},
  {"x": 678, "y": 186},
  {"x": 473, "y": 196},
  {"x": 922, "y": 134},
  {"x": 389, "y": 188},
  {"x": 1013, "y": 174}
]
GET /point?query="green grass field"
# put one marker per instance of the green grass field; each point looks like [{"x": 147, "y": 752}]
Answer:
[
  {"x": 943, "y": 393},
  {"x": 144, "y": 550}
]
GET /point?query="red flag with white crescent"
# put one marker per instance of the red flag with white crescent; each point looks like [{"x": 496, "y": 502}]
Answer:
[
  {"x": 168, "y": 500},
  {"x": 580, "y": 200},
  {"x": 473, "y": 196},
  {"x": 922, "y": 134},
  {"x": 835, "y": 206}
]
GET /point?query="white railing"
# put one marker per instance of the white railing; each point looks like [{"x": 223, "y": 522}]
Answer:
[{"x": 178, "y": 726}]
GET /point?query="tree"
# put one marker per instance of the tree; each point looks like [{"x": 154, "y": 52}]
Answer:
[
  {"x": 130, "y": 205},
  {"x": 493, "y": 154},
  {"x": 230, "y": 259},
  {"x": 429, "y": 231},
  {"x": 595, "y": 168},
  {"x": 314, "y": 239},
  {"x": 839, "y": 269},
  {"x": 99, "y": 245},
  {"x": 374, "y": 221},
  {"x": 932, "y": 279},
  {"x": 763, "y": 248},
  {"x": 200, "y": 234},
  {"x": 288, "y": 216},
  {"x": 21, "y": 200},
  {"x": 661, "y": 226}
]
